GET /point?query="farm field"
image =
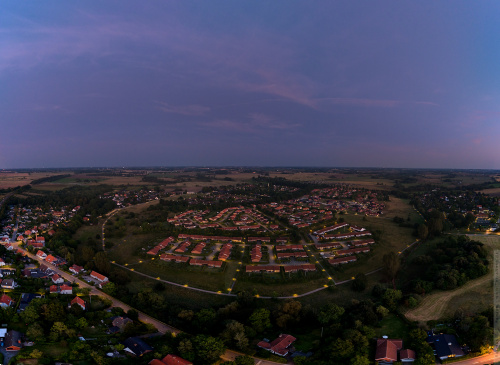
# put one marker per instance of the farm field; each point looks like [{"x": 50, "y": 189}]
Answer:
[{"x": 13, "y": 179}]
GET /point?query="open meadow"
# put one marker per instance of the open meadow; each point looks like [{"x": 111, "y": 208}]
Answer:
[{"x": 474, "y": 296}]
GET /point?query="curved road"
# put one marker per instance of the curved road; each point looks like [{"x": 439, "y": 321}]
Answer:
[{"x": 160, "y": 326}]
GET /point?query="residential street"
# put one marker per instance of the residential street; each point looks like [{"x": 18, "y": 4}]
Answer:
[{"x": 160, "y": 326}]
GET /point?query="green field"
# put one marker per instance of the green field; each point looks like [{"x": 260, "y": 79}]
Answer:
[{"x": 474, "y": 296}]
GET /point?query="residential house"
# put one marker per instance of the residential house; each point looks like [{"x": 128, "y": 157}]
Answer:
[
  {"x": 5, "y": 301},
  {"x": 170, "y": 360},
  {"x": 41, "y": 255},
  {"x": 2, "y": 262},
  {"x": 136, "y": 346},
  {"x": 342, "y": 260},
  {"x": 34, "y": 273},
  {"x": 65, "y": 289},
  {"x": 75, "y": 269},
  {"x": 26, "y": 299},
  {"x": 8, "y": 284},
  {"x": 406, "y": 356},
  {"x": 13, "y": 341},
  {"x": 78, "y": 301},
  {"x": 57, "y": 279},
  {"x": 280, "y": 346},
  {"x": 446, "y": 346},
  {"x": 51, "y": 259},
  {"x": 388, "y": 349},
  {"x": 99, "y": 277},
  {"x": 119, "y": 323}
]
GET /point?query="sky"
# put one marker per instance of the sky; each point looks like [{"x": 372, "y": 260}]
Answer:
[{"x": 254, "y": 83}]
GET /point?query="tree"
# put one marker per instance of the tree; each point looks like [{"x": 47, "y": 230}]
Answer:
[
  {"x": 359, "y": 283},
  {"x": 288, "y": 312},
  {"x": 133, "y": 314},
  {"x": 30, "y": 314},
  {"x": 382, "y": 311},
  {"x": 422, "y": 231},
  {"x": 244, "y": 360},
  {"x": 109, "y": 288},
  {"x": 35, "y": 354},
  {"x": 35, "y": 332},
  {"x": 58, "y": 329},
  {"x": 101, "y": 263},
  {"x": 391, "y": 298},
  {"x": 208, "y": 349},
  {"x": 391, "y": 267},
  {"x": 81, "y": 323},
  {"x": 234, "y": 335},
  {"x": 360, "y": 360},
  {"x": 341, "y": 350},
  {"x": 331, "y": 313},
  {"x": 53, "y": 312},
  {"x": 259, "y": 320},
  {"x": 205, "y": 318}
]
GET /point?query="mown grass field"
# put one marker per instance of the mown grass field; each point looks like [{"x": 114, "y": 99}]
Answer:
[
  {"x": 474, "y": 296},
  {"x": 178, "y": 296},
  {"x": 280, "y": 289},
  {"x": 200, "y": 277}
]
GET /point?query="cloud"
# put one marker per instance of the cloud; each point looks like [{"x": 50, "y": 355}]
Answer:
[
  {"x": 265, "y": 121},
  {"x": 190, "y": 110},
  {"x": 253, "y": 123},
  {"x": 363, "y": 102}
]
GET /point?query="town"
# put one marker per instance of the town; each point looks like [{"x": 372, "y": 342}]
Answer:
[{"x": 241, "y": 253}]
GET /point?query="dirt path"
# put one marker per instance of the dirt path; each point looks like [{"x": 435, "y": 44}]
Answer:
[{"x": 434, "y": 306}]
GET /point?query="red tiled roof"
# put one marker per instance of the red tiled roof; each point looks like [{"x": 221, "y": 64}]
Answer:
[
  {"x": 50, "y": 259},
  {"x": 98, "y": 276},
  {"x": 342, "y": 260},
  {"x": 210, "y": 263},
  {"x": 280, "y": 345},
  {"x": 5, "y": 299},
  {"x": 65, "y": 287},
  {"x": 175, "y": 360},
  {"x": 407, "y": 354},
  {"x": 387, "y": 350},
  {"x": 78, "y": 301},
  {"x": 305, "y": 267},
  {"x": 176, "y": 258},
  {"x": 266, "y": 268}
]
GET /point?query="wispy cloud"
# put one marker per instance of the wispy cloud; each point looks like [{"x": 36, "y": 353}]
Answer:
[
  {"x": 190, "y": 110},
  {"x": 253, "y": 123},
  {"x": 384, "y": 103}
]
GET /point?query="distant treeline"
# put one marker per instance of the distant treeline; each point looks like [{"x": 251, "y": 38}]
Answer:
[{"x": 49, "y": 179}]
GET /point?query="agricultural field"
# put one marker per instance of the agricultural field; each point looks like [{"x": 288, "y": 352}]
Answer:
[{"x": 13, "y": 179}]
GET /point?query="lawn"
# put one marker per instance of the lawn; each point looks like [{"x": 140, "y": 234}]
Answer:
[
  {"x": 392, "y": 326},
  {"x": 179, "y": 296},
  {"x": 393, "y": 239},
  {"x": 199, "y": 277},
  {"x": 281, "y": 289}
]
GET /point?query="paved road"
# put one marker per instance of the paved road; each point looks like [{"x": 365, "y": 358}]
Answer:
[
  {"x": 491, "y": 358},
  {"x": 162, "y": 327}
]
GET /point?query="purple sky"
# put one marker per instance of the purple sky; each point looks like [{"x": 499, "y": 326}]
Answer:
[{"x": 289, "y": 83}]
